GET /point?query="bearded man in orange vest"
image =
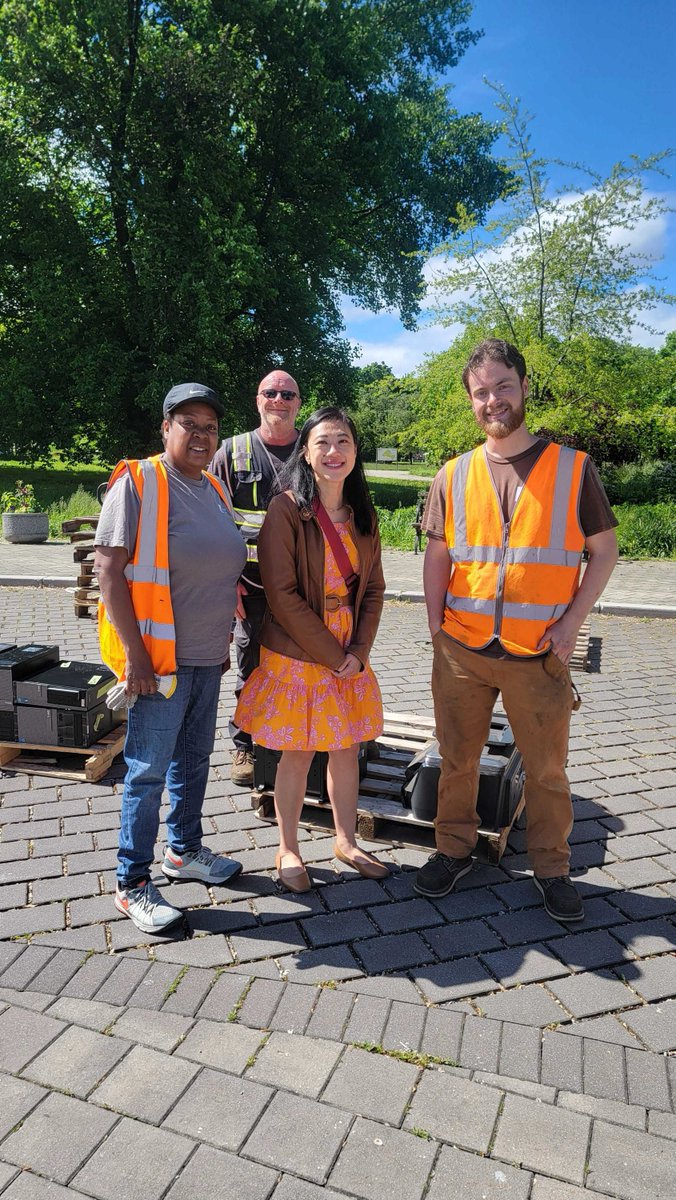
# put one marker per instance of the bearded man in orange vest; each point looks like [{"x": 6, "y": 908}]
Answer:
[{"x": 507, "y": 525}]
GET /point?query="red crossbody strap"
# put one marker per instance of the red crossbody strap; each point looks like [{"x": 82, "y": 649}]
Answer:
[{"x": 333, "y": 538}]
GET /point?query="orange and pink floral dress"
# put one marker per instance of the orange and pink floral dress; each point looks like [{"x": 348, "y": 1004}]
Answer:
[{"x": 288, "y": 704}]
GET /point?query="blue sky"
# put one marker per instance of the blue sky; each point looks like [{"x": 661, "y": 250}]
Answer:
[{"x": 599, "y": 78}]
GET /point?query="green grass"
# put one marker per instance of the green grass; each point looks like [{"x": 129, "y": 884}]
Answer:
[
  {"x": 396, "y": 528},
  {"x": 647, "y": 530},
  {"x": 402, "y": 492},
  {"x": 427, "y": 469},
  {"x": 80, "y": 504},
  {"x": 52, "y": 484},
  {"x": 639, "y": 483}
]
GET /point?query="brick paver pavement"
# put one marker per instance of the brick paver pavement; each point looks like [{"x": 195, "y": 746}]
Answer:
[{"x": 359, "y": 1040}]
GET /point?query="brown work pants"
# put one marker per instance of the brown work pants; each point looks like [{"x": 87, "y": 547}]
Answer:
[{"x": 538, "y": 699}]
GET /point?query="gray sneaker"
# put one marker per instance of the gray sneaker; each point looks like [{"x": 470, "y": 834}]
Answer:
[
  {"x": 202, "y": 865},
  {"x": 147, "y": 908}
]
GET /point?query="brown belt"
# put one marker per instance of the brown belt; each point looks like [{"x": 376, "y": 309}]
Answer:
[{"x": 333, "y": 603}]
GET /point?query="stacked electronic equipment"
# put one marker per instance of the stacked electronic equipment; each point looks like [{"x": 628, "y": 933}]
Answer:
[{"x": 49, "y": 701}]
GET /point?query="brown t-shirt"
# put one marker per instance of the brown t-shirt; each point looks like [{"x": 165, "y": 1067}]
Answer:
[{"x": 509, "y": 476}]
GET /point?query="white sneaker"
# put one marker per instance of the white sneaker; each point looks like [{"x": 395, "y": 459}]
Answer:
[
  {"x": 147, "y": 908},
  {"x": 202, "y": 865}
]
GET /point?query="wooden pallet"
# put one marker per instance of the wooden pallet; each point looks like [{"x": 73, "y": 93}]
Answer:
[
  {"x": 30, "y": 758},
  {"x": 80, "y": 531},
  {"x": 381, "y": 816},
  {"x": 580, "y": 657}
]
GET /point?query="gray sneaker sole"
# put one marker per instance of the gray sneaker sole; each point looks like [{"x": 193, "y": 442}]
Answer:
[
  {"x": 445, "y": 891},
  {"x": 179, "y": 875},
  {"x": 147, "y": 928}
]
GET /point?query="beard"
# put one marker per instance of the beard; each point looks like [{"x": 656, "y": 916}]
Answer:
[{"x": 506, "y": 425}]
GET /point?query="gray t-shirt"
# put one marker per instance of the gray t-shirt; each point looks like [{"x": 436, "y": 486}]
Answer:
[{"x": 206, "y": 558}]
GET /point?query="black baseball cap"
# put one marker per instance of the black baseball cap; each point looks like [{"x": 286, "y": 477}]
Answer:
[{"x": 183, "y": 393}]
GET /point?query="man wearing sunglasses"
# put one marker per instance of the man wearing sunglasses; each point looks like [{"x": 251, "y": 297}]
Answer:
[{"x": 249, "y": 465}]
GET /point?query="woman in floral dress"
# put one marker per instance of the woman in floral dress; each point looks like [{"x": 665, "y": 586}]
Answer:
[{"x": 320, "y": 561}]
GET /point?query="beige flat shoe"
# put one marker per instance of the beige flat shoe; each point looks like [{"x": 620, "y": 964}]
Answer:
[
  {"x": 371, "y": 869},
  {"x": 294, "y": 879}
]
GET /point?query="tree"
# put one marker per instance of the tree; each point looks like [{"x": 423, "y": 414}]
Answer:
[
  {"x": 384, "y": 409},
  {"x": 189, "y": 187},
  {"x": 555, "y": 265}
]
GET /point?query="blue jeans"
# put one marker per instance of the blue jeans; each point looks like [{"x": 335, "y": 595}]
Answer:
[{"x": 168, "y": 741}]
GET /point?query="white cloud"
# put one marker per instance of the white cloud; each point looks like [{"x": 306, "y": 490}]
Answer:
[{"x": 405, "y": 349}]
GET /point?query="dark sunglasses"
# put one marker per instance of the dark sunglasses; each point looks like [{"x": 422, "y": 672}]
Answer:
[{"x": 270, "y": 394}]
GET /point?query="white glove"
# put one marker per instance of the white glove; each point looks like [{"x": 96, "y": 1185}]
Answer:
[{"x": 117, "y": 697}]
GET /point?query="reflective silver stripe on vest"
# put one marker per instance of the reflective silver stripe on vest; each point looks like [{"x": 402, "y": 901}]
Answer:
[
  {"x": 252, "y": 553},
  {"x": 145, "y": 549},
  {"x": 140, "y": 573},
  {"x": 564, "y": 479},
  {"x": 241, "y": 452},
  {"x": 515, "y": 612},
  {"x": 544, "y": 555},
  {"x": 249, "y": 516},
  {"x": 156, "y": 630},
  {"x": 461, "y": 552}
]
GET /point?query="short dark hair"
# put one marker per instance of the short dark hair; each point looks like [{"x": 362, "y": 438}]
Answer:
[
  {"x": 296, "y": 475},
  {"x": 494, "y": 350}
]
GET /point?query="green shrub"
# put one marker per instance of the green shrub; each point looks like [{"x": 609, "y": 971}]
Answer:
[
  {"x": 396, "y": 527},
  {"x": 393, "y": 493},
  {"x": 647, "y": 530},
  {"x": 80, "y": 504},
  {"x": 639, "y": 483}
]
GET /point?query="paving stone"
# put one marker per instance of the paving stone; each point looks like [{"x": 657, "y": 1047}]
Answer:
[
  {"x": 480, "y": 1047},
  {"x": 337, "y": 927},
  {"x": 57, "y": 1137},
  {"x": 161, "y": 1030},
  {"x": 266, "y": 943},
  {"x": 553, "y": 1189},
  {"x": 389, "y": 987},
  {"x": 222, "y": 1176},
  {"x": 260, "y": 1002},
  {"x": 456, "y": 941},
  {"x": 644, "y": 904},
  {"x": 404, "y": 1028},
  {"x": 662, "y": 1124},
  {"x": 6, "y": 1173},
  {"x": 296, "y": 1063},
  {"x": 120, "y": 986},
  {"x": 528, "y": 964},
  {"x": 590, "y": 993},
  {"x": 372, "y": 1085},
  {"x": 515, "y": 928},
  {"x": 18, "y": 1098},
  {"x": 454, "y": 1110},
  {"x": 543, "y": 1138},
  {"x": 527, "y": 1005},
  {"x": 145, "y": 1085},
  {"x": 22, "y": 1035},
  {"x": 152, "y": 989},
  {"x": 392, "y": 951},
  {"x": 294, "y": 1009},
  {"x": 225, "y": 1046},
  {"x": 36, "y": 1001},
  {"x": 653, "y": 979},
  {"x": 518, "y": 893},
  {"x": 15, "y": 830},
  {"x": 76, "y": 1061},
  {"x": 298, "y": 1135},
  {"x": 287, "y": 907},
  {"x": 331, "y": 1014},
  {"x": 521, "y": 1087},
  {"x": 191, "y": 990},
  {"x": 604, "y": 1070},
  {"x": 57, "y": 972},
  {"x": 222, "y": 998},
  {"x": 12, "y": 895},
  {"x": 641, "y": 872},
  {"x": 377, "y": 1161},
  {"x": 458, "y": 1174},
  {"x": 587, "y": 951},
  {"x": 561, "y": 1061},
  {"x": 87, "y": 980},
  {"x": 655, "y": 1024},
  {"x": 405, "y": 915},
  {"x": 23, "y": 964},
  {"x": 18, "y": 921},
  {"x": 292, "y": 1188},
  {"x": 90, "y": 1013},
  {"x": 602, "y": 1029},
  {"x": 367, "y": 1019},
  {"x": 647, "y": 1080},
  {"x": 90, "y": 938},
  {"x": 219, "y": 1108},
  {"x": 453, "y": 980},
  {"x": 630, "y": 1164},
  {"x": 9, "y": 952},
  {"x": 320, "y": 966},
  {"x": 520, "y": 1051},
  {"x": 647, "y": 937},
  {"x": 135, "y": 1160},
  {"x": 632, "y": 1115}
]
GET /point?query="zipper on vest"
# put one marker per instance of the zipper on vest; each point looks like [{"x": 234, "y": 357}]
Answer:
[{"x": 500, "y": 586}]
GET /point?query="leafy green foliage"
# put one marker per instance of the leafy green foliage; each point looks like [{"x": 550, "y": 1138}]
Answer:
[
  {"x": 80, "y": 504},
  {"x": 396, "y": 527},
  {"x": 188, "y": 189},
  {"x": 21, "y": 498},
  {"x": 647, "y": 530},
  {"x": 639, "y": 483}
]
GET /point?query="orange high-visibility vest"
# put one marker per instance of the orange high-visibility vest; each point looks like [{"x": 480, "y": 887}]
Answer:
[
  {"x": 147, "y": 571},
  {"x": 512, "y": 580}
]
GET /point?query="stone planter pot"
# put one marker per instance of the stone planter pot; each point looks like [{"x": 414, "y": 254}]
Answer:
[{"x": 25, "y": 527}]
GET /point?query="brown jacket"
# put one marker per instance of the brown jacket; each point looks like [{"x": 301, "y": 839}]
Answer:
[{"x": 291, "y": 559}]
